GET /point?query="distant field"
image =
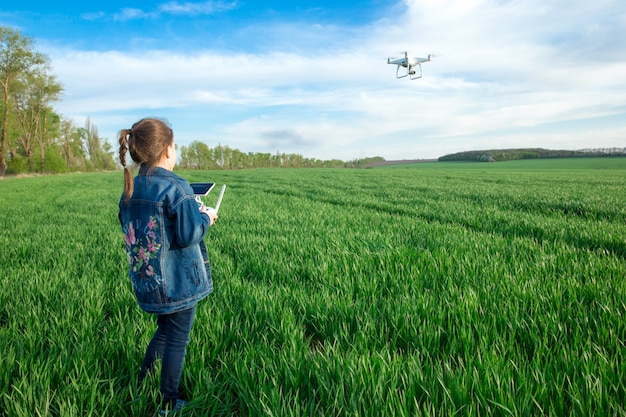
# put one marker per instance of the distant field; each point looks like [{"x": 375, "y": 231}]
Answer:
[{"x": 429, "y": 290}]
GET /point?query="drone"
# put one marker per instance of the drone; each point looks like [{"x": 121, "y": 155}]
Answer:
[{"x": 410, "y": 64}]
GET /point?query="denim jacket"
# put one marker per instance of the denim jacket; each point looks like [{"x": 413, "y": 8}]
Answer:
[{"x": 164, "y": 233}]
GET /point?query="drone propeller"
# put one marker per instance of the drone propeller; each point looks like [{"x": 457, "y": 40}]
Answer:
[{"x": 398, "y": 54}]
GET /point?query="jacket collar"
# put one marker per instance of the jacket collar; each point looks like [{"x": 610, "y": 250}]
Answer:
[{"x": 147, "y": 170}]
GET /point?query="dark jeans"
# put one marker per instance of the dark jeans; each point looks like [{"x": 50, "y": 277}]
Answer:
[{"x": 169, "y": 344}]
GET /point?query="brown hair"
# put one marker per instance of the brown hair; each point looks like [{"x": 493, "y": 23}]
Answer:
[{"x": 146, "y": 141}]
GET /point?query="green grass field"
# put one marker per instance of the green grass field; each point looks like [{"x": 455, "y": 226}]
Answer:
[{"x": 435, "y": 289}]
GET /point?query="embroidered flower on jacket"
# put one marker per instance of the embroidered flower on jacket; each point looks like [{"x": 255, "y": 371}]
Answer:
[
  {"x": 129, "y": 235},
  {"x": 142, "y": 246}
]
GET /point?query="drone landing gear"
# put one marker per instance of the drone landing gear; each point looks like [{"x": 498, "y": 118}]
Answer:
[{"x": 410, "y": 72}]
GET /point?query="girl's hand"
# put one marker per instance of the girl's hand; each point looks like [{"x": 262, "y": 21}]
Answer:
[{"x": 209, "y": 211}]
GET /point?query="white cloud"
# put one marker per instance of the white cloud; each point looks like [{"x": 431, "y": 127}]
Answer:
[
  {"x": 190, "y": 8},
  {"x": 169, "y": 8},
  {"x": 130, "y": 13}
]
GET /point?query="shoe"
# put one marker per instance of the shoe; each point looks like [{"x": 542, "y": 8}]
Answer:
[{"x": 180, "y": 404}]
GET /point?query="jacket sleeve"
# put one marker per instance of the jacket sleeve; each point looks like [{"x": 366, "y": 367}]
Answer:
[{"x": 190, "y": 224}]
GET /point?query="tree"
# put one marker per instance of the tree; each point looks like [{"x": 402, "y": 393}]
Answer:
[
  {"x": 91, "y": 140},
  {"x": 70, "y": 141},
  {"x": 197, "y": 155},
  {"x": 35, "y": 116},
  {"x": 98, "y": 149},
  {"x": 50, "y": 90},
  {"x": 16, "y": 59}
]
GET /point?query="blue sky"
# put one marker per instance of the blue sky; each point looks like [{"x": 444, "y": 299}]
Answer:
[{"x": 311, "y": 77}]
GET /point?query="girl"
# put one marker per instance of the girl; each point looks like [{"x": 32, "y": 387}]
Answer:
[{"x": 167, "y": 258}]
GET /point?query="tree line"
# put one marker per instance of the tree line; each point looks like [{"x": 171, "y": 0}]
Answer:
[
  {"x": 495, "y": 155},
  {"x": 198, "y": 155},
  {"x": 33, "y": 136}
]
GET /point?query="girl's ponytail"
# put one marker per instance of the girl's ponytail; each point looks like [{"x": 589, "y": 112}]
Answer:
[{"x": 125, "y": 137}]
